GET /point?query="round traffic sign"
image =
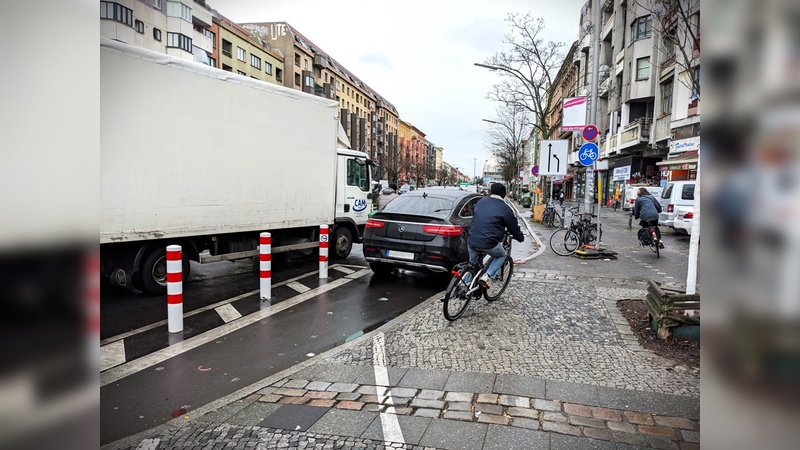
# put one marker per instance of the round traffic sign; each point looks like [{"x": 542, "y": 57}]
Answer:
[
  {"x": 535, "y": 171},
  {"x": 590, "y": 132},
  {"x": 588, "y": 153}
]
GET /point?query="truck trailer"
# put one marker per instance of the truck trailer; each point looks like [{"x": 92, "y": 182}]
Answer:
[{"x": 207, "y": 159}]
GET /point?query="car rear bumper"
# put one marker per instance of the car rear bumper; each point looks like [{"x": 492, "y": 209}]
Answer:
[{"x": 407, "y": 264}]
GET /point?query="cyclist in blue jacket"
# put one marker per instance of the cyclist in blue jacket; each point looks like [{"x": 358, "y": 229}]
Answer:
[
  {"x": 647, "y": 208},
  {"x": 491, "y": 219}
]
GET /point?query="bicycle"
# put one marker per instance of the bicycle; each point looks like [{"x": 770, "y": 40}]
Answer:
[
  {"x": 648, "y": 237},
  {"x": 550, "y": 217},
  {"x": 566, "y": 241},
  {"x": 465, "y": 284}
]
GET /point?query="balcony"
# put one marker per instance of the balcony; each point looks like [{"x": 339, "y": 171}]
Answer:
[
  {"x": 202, "y": 41},
  {"x": 320, "y": 61},
  {"x": 661, "y": 130},
  {"x": 602, "y": 90},
  {"x": 636, "y": 133},
  {"x": 200, "y": 15}
]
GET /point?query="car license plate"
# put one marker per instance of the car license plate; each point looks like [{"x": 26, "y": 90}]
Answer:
[{"x": 399, "y": 254}]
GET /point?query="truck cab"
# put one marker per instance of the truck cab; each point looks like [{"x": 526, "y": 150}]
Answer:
[{"x": 353, "y": 199}]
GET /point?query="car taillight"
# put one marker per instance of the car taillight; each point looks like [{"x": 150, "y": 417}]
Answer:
[
  {"x": 688, "y": 215},
  {"x": 670, "y": 208},
  {"x": 375, "y": 223},
  {"x": 444, "y": 230}
]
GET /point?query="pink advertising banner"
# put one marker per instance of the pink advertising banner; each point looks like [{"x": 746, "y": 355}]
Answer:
[{"x": 574, "y": 114}]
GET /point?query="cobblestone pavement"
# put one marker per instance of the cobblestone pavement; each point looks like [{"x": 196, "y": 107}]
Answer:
[{"x": 552, "y": 364}]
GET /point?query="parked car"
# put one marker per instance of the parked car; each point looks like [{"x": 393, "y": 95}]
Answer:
[
  {"x": 405, "y": 188},
  {"x": 676, "y": 194},
  {"x": 423, "y": 230},
  {"x": 684, "y": 217}
]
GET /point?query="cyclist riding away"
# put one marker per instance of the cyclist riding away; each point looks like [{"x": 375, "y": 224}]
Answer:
[
  {"x": 647, "y": 207},
  {"x": 491, "y": 219}
]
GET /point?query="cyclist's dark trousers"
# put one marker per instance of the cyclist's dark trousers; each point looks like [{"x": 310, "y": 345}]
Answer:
[{"x": 647, "y": 223}]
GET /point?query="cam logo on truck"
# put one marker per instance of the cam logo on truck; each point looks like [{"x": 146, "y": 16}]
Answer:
[{"x": 359, "y": 205}]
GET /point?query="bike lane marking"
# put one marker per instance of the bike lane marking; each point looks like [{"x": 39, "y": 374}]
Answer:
[{"x": 164, "y": 354}]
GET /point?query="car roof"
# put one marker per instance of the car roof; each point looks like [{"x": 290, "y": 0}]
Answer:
[{"x": 445, "y": 193}]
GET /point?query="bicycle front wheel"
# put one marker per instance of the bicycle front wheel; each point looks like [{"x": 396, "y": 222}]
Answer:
[
  {"x": 456, "y": 299},
  {"x": 498, "y": 286},
  {"x": 564, "y": 242}
]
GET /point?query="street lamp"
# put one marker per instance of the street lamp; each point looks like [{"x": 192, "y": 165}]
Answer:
[{"x": 474, "y": 174}]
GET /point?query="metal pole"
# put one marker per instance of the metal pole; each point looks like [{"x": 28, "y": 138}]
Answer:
[{"x": 595, "y": 73}]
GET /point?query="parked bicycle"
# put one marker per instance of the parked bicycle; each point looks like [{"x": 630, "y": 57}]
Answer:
[
  {"x": 649, "y": 238},
  {"x": 550, "y": 217},
  {"x": 581, "y": 231},
  {"x": 465, "y": 284}
]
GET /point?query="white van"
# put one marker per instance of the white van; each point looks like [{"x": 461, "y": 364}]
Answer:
[
  {"x": 631, "y": 194},
  {"x": 675, "y": 194}
]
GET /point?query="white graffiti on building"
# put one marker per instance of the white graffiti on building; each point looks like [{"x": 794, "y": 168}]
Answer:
[{"x": 272, "y": 31}]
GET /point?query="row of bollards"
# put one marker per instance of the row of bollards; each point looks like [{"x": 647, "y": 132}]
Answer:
[{"x": 175, "y": 274}]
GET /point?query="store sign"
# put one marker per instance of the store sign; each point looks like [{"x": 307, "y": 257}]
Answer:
[
  {"x": 684, "y": 145},
  {"x": 574, "y": 114},
  {"x": 622, "y": 173}
]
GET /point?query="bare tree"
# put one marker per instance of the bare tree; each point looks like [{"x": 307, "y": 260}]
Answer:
[
  {"x": 506, "y": 139},
  {"x": 530, "y": 66},
  {"x": 442, "y": 176},
  {"x": 676, "y": 26}
]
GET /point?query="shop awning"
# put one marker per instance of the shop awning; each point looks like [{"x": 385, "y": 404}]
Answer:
[{"x": 684, "y": 158}]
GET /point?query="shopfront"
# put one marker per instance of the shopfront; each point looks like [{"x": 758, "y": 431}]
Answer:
[{"x": 681, "y": 163}]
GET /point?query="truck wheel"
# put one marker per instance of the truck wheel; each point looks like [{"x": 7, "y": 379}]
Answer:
[
  {"x": 342, "y": 243},
  {"x": 153, "y": 272}
]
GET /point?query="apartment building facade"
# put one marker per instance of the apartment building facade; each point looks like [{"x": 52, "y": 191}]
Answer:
[
  {"x": 240, "y": 52},
  {"x": 647, "y": 110},
  {"x": 179, "y": 28}
]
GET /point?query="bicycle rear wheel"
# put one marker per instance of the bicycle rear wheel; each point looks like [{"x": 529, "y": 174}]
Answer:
[
  {"x": 456, "y": 299},
  {"x": 557, "y": 222},
  {"x": 564, "y": 242},
  {"x": 498, "y": 286}
]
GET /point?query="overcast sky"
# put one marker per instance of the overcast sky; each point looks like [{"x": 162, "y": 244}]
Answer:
[{"x": 418, "y": 54}]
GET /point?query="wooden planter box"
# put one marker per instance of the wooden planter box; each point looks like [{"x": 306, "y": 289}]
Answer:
[{"x": 667, "y": 307}]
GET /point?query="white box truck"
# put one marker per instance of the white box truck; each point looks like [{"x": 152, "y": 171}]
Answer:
[{"x": 206, "y": 159}]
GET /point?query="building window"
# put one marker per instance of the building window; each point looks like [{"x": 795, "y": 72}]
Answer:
[
  {"x": 641, "y": 28},
  {"x": 309, "y": 81},
  {"x": 157, "y": 34},
  {"x": 279, "y": 75},
  {"x": 241, "y": 55},
  {"x": 297, "y": 60},
  {"x": 177, "y": 40},
  {"x": 267, "y": 68},
  {"x": 177, "y": 9},
  {"x": 297, "y": 79},
  {"x": 227, "y": 68},
  {"x": 241, "y": 73},
  {"x": 666, "y": 97},
  {"x": 255, "y": 61},
  {"x": 157, "y": 4},
  {"x": 305, "y": 64},
  {"x": 210, "y": 34},
  {"x": 139, "y": 26},
  {"x": 642, "y": 68},
  {"x": 226, "y": 48},
  {"x": 212, "y": 62},
  {"x": 116, "y": 12}
]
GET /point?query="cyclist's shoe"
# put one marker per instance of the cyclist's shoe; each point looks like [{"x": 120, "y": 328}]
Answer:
[
  {"x": 661, "y": 245},
  {"x": 484, "y": 280}
]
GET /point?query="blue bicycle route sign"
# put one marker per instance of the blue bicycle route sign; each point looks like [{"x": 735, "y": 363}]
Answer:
[{"x": 588, "y": 153}]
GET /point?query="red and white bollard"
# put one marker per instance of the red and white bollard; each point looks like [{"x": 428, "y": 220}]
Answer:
[
  {"x": 92, "y": 290},
  {"x": 265, "y": 264},
  {"x": 323, "y": 251},
  {"x": 174, "y": 288}
]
